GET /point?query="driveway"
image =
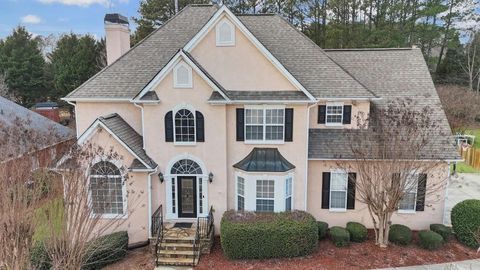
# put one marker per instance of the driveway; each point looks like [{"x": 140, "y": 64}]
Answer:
[
  {"x": 461, "y": 187},
  {"x": 462, "y": 265}
]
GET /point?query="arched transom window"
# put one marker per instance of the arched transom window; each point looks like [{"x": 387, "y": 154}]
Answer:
[
  {"x": 106, "y": 187},
  {"x": 182, "y": 76},
  {"x": 186, "y": 166},
  {"x": 225, "y": 33},
  {"x": 184, "y": 126}
]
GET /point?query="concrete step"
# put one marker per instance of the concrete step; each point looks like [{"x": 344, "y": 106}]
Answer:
[
  {"x": 177, "y": 261},
  {"x": 178, "y": 240},
  {"x": 176, "y": 246},
  {"x": 176, "y": 253}
]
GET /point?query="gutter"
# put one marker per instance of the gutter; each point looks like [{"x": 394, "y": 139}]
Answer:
[
  {"x": 149, "y": 192},
  {"x": 306, "y": 155},
  {"x": 75, "y": 109},
  {"x": 143, "y": 124}
]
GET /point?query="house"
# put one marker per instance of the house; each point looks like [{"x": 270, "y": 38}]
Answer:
[
  {"x": 47, "y": 140},
  {"x": 239, "y": 112}
]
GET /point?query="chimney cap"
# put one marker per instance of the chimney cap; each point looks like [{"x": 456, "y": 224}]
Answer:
[{"x": 115, "y": 18}]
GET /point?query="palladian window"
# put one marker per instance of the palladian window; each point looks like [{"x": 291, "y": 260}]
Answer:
[
  {"x": 106, "y": 188},
  {"x": 184, "y": 126}
]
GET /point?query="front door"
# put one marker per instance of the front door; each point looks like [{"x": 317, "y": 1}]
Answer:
[{"x": 187, "y": 196}]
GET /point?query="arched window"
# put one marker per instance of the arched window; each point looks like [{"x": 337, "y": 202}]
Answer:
[
  {"x": 186, "y": 166},
  {"x": 225, "y": 32},
  {"x": 184, "y": 126},
  {"x": 182, "y": 76},
  {"x": 106, "y": 189}
]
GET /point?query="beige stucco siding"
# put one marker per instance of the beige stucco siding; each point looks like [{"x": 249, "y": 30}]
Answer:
[
  {"x": 136, "y": 220},
  {"x": 239, "y": 67},
  {"x": 360, "y": 110},
  {"x": 420, "y": 220},
  {"x": 87, "y": 112}
]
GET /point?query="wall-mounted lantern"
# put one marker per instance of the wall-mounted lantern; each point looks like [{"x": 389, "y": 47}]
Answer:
[
  {"x": 210, "y": 177},
  {"x": 160, "y": 177}
]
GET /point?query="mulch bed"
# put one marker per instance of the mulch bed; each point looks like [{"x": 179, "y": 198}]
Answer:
[{"x": 356, "y": 256}]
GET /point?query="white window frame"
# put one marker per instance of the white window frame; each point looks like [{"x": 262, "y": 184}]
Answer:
[
  {"x": 332, "y": 209},
  {"x": 333, "y": 104},
  {"x": 264, "y": 109},
  {"x": 176, "y": 84},
  {"x": 174, "y": 113},
  {"x": 124, "y": 193},
  {"x": 230, "y": 42},
  {"x": 414, "y": 177},
  {"x": 289, "y": 185},
  {"x": 265, "y": 198},
  {"x": 240, "y": 194}
]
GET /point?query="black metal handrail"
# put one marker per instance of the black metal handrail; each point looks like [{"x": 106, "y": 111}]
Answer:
[
  {"x": 157, "y": 223},
  {"x": 196, "y": 240},
  {"x": 206, "y": 224}
]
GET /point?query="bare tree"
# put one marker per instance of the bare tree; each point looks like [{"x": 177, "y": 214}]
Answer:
[
  {"x": 389, "y": 151},
  {"x": 471, "y": 65},
  {"x": 461, "y": 106}
]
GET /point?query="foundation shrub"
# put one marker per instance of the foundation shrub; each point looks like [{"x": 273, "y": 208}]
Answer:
[
  {"x": 466, "y": 222},
  {"x": 340, "y": 236},
  {"x": 358, "y": 232},
  {"x": 400, "y": 234},
  {"x": 322, "y": 229},
  {"x": 430, "y": 240},
  {"x": 444, "y": 231}
]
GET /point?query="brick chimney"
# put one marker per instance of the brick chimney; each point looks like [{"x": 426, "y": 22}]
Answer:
[{"x": 117, "y": 33}]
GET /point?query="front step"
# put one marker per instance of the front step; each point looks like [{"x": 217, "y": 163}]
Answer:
[
  {"x": 165, "y": 253},
  {"x": 177, "y": 261},
  {"x": 176, "y": 246},
  {"x": 177, "y": 252}
]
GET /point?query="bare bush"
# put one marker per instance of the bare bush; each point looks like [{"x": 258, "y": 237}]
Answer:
[{"x": 461, "y": 106}]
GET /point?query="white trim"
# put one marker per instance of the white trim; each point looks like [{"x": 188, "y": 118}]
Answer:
[
  {"x": 176, "y": 84},
  {"x": 416, "y": 177},
  {"x": 167, "y": 68},
  {"x": 97, "y": 99},
  {"x": 91, "y": 131},
  {"x": 230, "y": 42},
  {"x": 143, "y": 123},
  {"x": 256, "y": 102},
  {"x": 184, "y": 106},
  {"x": 264, "y": 124},
  {"x": 225, "y": 12},
  {"x": 330, "y": 208},
  {"x": 352, "y": 159},
  {"x": 334, "y": 104},
  {"x": 307, "y": 124}
]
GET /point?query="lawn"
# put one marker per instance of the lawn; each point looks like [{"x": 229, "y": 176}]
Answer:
[
  {"x": 49, "y": 215},
  {"x": 476, "y": 133},
  {"x": 462, "y": 167}
]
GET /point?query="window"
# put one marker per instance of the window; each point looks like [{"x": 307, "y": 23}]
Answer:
[
  {"x": 106, "y": 189},
  {"x": 264, "y": 124},
  {"x": 225, "y": 33},
  {"x": 288, "y": 194},
  {"x": 338, "y": 190},
  {"x": 265, "y": 195},
  {"x": 186, "y": 166},
  {"x": 240, "y": 193},
  {"x": 409, "y": 200},
  {"x": 334, "y": 114},
  {"x": 182, "y": 76},
  {"x": 184, "y": 126}
]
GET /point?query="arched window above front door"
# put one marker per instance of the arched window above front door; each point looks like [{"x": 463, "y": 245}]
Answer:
[{"x": 186, "y": 166}]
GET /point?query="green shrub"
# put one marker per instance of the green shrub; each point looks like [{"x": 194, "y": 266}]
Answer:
[
  {"x": 322, "y": 229},
  {"x": 466, "y": 221},
  {"x": 430, "y": 240},
  {"x": 443, "y": 230},
  {"x": 400, "y": 234},
  {"x": 358, "y": 232},
  {"x": 100, "y": 252},
  {"x": 340, "y": 236},
  {"x": 251, "y": 235}
]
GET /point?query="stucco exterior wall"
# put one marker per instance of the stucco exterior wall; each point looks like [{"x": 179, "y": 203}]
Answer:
[
  {"x": 136, "y": 220},
  {"x": 360, "y": 110},
  {"x": 434, "y": 201},
  {"x": 87, "y": 112},
  {"x": 239, "y": 67}
]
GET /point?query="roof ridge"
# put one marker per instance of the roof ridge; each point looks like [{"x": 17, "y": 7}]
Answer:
[
  {"x": 371, "y": 49},
  {"x": 323, "y": 52},
  {"x": 256, "y": 14}
]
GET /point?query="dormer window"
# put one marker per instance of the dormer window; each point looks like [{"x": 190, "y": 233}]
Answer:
[
  {"x": 182, "y": 76},
  {"x": 225, "y": 32}
]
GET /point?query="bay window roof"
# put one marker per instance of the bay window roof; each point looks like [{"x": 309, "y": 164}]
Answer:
[{"x": 264, "y": 160}]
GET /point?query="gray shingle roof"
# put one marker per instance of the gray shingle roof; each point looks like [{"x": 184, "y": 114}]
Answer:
[
  {"x": 150, "y": 96},
  {"x": 392, "y": 74},
  {"x": 127, "y": 76},
  {"x": 128, "y": 136}
]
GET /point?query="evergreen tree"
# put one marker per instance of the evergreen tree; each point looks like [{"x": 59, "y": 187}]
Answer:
[{"x": 23, "y": 66}]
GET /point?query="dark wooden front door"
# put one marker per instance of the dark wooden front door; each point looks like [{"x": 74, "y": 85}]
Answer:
[{"x": 187, "y": 196}]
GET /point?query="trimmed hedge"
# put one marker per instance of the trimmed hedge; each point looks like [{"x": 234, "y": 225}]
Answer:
[
  {"x": 340, "y": 236},
  {"x": 400, "y": 234},
  {"x": 466, "y": 221},
  {"x": 322, "y": 229},
  {"x": 253, "y": 235},
  {"x": 443, "y": 230},
  {"x": 100, "y": 252},
  {"x": 430, "y": 240},
  {"x": 358, "y": 232}
]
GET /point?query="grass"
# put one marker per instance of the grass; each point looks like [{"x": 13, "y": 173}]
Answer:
[
  {"x": 476, "y": 133},
  {"x": 47, "y": 216},
  {"x": 462, "y": 167}
]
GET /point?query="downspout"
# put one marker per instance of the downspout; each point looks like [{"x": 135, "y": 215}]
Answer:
[
  {"x": 149, "y": 194},
  {"x": 446, "y": 195},
  {"x": 75, "y": 109},
  {"x": 143, "y": 124},
  {"x": 306, "y": 155}
]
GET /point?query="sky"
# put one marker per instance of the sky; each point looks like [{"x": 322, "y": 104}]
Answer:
[{"x": 44, "y": 17}]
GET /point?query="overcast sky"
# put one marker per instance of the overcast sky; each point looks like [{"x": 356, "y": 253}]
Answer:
[{"x": 44, "y": 17}]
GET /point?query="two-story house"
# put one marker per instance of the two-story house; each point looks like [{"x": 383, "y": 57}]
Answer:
[{"x": 240, "y": 112}]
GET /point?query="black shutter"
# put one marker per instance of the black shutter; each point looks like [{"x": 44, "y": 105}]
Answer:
[
  {"x": 289, "y": 124},
  {"x": 347, "y": 114},
  {"x": 240, "y": 124},
  {"x": 421, "y": 190},
  {"x": 322, "y": 114},
  {"x": 169, "y": 127},
  {"x": 352, "y": 179},
  {"x": 325, "y": 190},
  {"x": 200, "y": 129}
]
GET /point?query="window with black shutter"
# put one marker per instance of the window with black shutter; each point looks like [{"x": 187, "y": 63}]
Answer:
[
  {"x": 347, "y": 114},
  {"x": 322, "y": 114},
  {"x": 325, "y": 190},
  {"x": 169, "y": 127},
  {"x": 352, "y": 180},
  {"x": 240, "y": 124},
  {"x": 200, "y": 126},
  {"x": 421, "y": 190},
  {"x": 289, "y": 124}
]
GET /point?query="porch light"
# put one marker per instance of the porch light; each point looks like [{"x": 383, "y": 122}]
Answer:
[
  {"x": 210, "y": 177},
  {"x": 160, "y": 176}
]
